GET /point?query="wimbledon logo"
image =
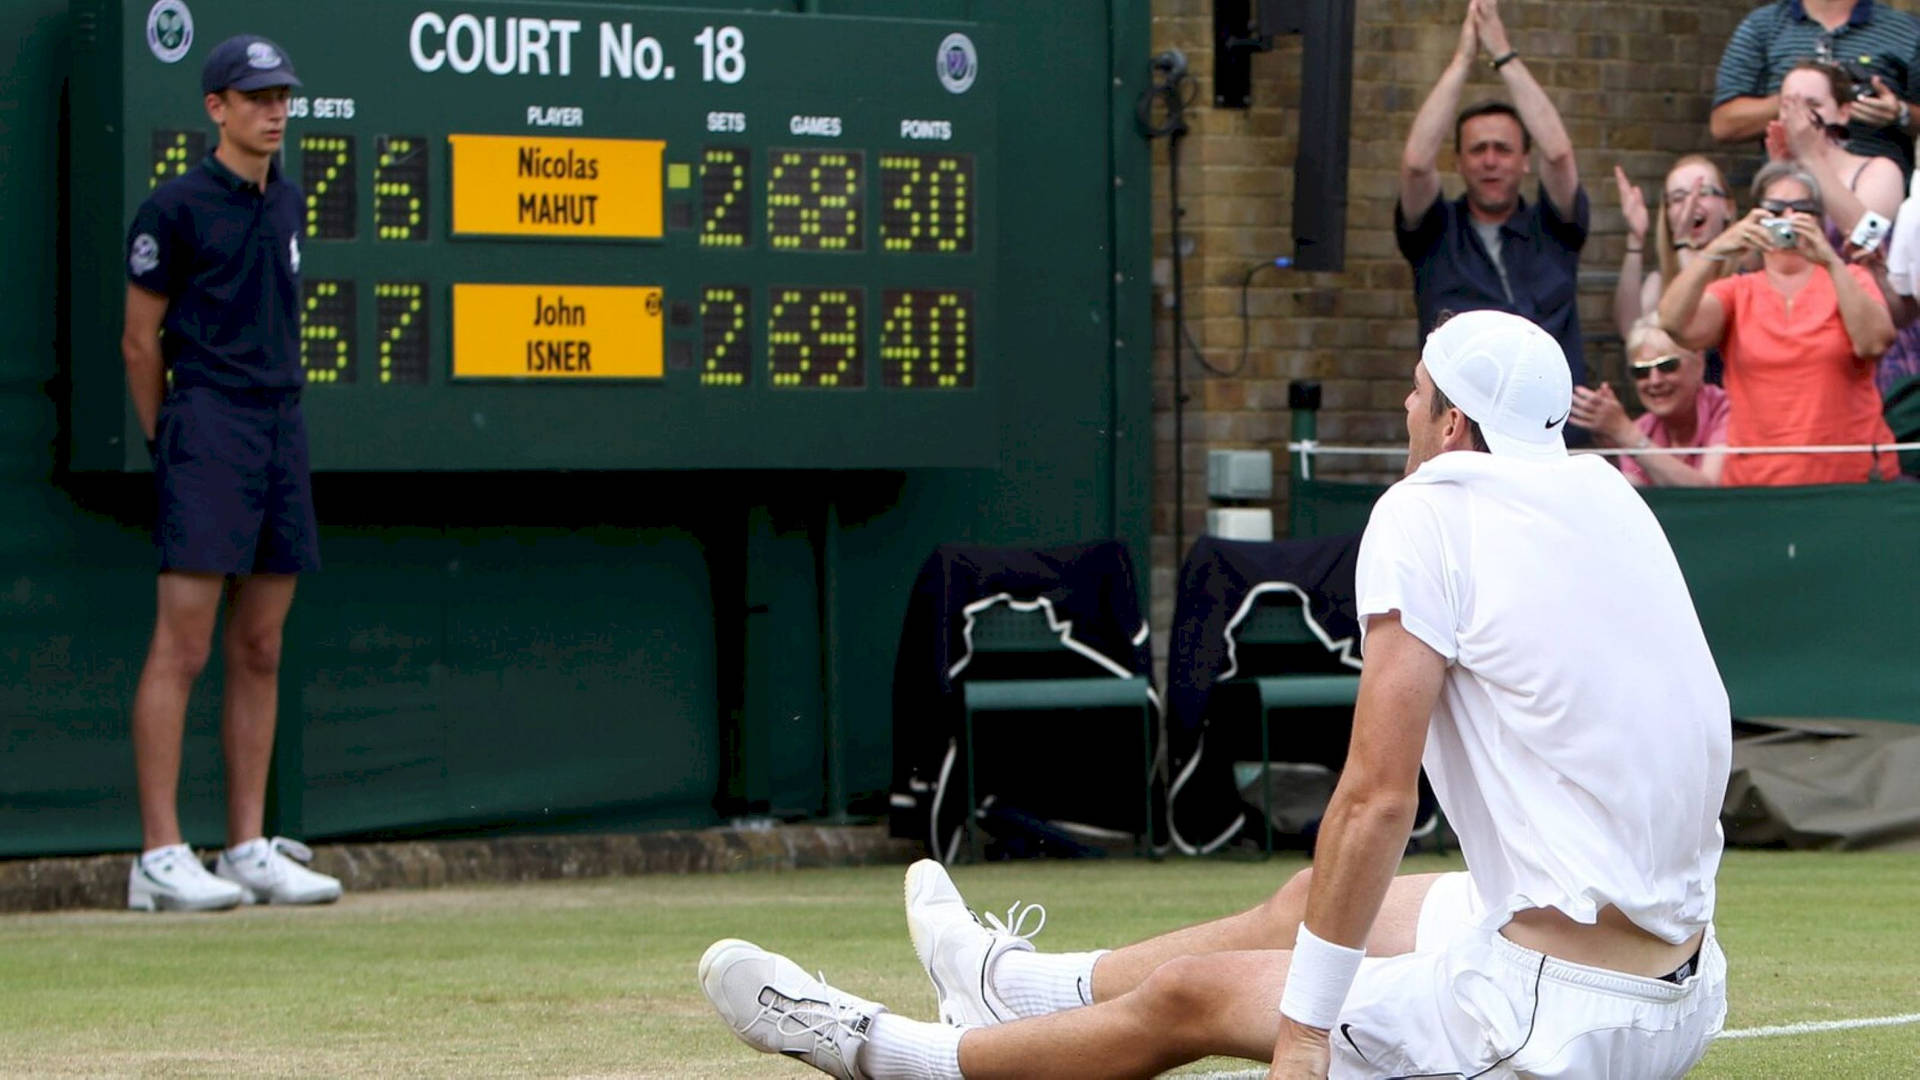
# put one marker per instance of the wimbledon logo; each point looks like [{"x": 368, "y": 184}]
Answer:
[
  {"x": 957, "y": 63},
  {"x": 169, "y": 30}
]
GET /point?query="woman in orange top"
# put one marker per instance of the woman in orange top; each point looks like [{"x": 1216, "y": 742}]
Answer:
[{"x": 1800, "y": 336}]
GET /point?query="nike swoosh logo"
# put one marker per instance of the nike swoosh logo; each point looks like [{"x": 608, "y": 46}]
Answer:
[
  {"x": 1345, "y": 1034},
  {"x": 1562, "y": 420}
]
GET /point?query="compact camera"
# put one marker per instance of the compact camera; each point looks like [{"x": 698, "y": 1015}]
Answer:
[
  {"x": 1781, "y": 231},
  {"x": 1871, "y": 229},
  {"x": 1860, "y": 75}
]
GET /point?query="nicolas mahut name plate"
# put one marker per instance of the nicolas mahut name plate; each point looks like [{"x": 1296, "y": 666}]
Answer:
[
  {"x": 525, "y": 185},
  {"x": 557, "y": 332}
]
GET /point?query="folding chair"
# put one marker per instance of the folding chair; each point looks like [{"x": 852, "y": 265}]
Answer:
[
  {"x": 1278, "y": 621},
  {"x": 1027, "y": 629}
]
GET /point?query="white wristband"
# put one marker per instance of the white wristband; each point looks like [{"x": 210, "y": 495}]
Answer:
[{"x": 1318, "y": 978}]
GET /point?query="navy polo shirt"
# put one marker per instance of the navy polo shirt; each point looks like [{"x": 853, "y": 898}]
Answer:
[
  {"x": 1875, "y": 38},
  {"x": 1452, "y": 270},
  {"x": 226, "y": 255}
]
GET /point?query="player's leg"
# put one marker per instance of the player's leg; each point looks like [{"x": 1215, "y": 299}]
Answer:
[
  {"x": 185, "y": 608},
  {"x": 987, "y": 974},
  {"x": 1272, "y": 925},
  {"x": 1225, "y": 1003},
  {"x": 257, "y": 609},
  {"x": 1191, "y": 1008}
]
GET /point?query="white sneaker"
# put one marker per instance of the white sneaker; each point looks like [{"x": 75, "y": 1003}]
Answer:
[
  {"x": 776, "y": 1008},
  {"x": 274, "y": 872},
  {"x": 957, "y": 951},
  {"x": 171, "y": 879}
]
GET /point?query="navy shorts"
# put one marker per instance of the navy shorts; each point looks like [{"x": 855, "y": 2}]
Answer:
[{"x": 230, "y": 471}]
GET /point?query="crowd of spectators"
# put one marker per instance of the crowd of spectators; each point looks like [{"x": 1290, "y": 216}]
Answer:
[{"x": 1784, "y": 326}]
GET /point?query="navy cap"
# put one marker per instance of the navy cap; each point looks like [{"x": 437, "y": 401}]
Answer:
[{"x": 246, "y": 62}]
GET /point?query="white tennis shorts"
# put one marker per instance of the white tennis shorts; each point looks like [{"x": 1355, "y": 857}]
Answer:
[{"x": 1469, "y": 1003}]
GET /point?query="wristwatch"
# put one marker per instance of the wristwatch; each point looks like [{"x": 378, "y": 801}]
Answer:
[
  {"x": 1514, "y": 54},
  {"x": 1904, "y": 118}
]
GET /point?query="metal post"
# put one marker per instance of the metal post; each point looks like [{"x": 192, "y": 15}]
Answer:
[
  {"x": 832, "y": 730},
  {"x": 1303, "y": 397}
]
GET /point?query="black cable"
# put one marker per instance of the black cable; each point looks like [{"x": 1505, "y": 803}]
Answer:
[{"x": 1246, "y": 322}]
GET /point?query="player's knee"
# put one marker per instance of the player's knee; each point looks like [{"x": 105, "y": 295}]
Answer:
[
  {"x": 1183, "y": 994},
  {"x": 1288, "y": 904},
  {"x": 255, "y": 652}
]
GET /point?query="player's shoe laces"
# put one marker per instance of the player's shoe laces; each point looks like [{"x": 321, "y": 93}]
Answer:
[
  {"x": 171, "y": 879},
  {"x": 274, "y": 872},
  {"x": 777, "y": 1008},
  {"x": 957, "y": 950}
]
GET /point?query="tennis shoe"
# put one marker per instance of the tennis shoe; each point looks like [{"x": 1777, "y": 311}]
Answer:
[
  {"x": 777, "y": 1008},
  {"x": 275, "y": 872},
  {"x": 958, "y": 951},
  {"x": 171, "y": 879}
]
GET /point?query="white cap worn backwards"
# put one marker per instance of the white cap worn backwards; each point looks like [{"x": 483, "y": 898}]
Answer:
[{"x": 1509, "y": 376}]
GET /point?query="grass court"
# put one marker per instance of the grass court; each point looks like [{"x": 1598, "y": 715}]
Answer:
[{"x": 596, "y": 978}]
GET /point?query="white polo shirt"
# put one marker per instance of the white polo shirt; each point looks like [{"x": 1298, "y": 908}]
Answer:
[{"x": 1582, "y": 741}]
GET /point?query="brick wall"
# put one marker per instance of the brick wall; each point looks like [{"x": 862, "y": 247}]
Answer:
[{"x": 1632, "y": 80}]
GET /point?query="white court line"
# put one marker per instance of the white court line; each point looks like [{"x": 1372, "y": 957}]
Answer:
[
  {"x": 1820, "y": 1025},
  {"x": 1803, "y": 1028}
]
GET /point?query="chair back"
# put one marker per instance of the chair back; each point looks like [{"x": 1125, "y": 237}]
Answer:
[
  {"x": 1276, "y": 619},
  {"x": 1274, "y": 638},
  {"x": 1003, "y": 628}
]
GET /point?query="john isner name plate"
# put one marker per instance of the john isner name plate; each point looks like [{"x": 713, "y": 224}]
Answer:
[{"x": 557, "y": 332}]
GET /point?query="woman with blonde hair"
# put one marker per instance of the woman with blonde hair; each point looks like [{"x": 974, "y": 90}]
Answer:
[
  {"x": 1682, "y": 410},
  {"x": 1694, "y": 208}
]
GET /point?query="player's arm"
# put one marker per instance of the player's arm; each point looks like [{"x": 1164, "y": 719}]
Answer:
[
  {"x": 1367, "y": 823},
  {"x": 140, "y": 348}
]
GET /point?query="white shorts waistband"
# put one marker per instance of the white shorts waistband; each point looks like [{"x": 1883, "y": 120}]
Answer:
[{"x": 1638, "y": 987}]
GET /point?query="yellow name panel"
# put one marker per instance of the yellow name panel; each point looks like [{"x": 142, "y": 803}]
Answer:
[
  {"x": 557, "y": 332},
  {"x": 521, "y": 185}
]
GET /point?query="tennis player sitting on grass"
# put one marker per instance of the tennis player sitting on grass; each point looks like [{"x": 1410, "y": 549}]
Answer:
[{"x": 1581, "y": 761}]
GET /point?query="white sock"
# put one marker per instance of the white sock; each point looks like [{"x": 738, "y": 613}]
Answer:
[
  {"x": 901, "y": 1049},
  {"x": 151, "y": 856},
  {"x": 1037, "y": 983},
  {"x": 248, "y": 850}
]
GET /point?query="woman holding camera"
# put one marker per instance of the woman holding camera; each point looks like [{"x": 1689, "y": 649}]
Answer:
[{"x": 1801, "y": 337}]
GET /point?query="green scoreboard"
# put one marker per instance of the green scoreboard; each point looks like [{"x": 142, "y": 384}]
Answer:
[{"x": 567, "y": 236}]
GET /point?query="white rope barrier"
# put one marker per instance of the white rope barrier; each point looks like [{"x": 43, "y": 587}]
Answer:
[{"x": 1309, "y": 448}]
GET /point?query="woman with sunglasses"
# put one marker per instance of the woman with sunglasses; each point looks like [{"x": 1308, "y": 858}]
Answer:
[
  {"x": 1682, "y": 410},
  {"x": 1694, "y": 208},
  {"x": 1800, "y": 336}
]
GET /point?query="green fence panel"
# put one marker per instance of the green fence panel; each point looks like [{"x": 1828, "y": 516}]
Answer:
[{"x": 1806, "y": 594}]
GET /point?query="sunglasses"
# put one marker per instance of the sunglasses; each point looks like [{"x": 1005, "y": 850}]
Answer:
[
  {"x": 1782, "y": 206},
  {"x": 1665, "y": 365}
]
